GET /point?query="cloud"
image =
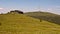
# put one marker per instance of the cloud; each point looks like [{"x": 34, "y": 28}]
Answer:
[
  {"x": 1, "y": 8},
  {"x": 55, "y": 9}
]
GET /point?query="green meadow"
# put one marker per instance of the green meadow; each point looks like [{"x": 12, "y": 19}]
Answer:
[{"x": 23, "y": 24}]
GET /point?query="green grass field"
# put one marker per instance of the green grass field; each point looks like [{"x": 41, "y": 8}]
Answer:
[
  {"x": 22, "y": 24},
  {"x": 47, "y": 16}
]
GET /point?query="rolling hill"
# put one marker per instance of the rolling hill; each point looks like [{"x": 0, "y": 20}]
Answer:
[
  {"x": 54, "y": 18},
  {"x": 23, "y": 24}
]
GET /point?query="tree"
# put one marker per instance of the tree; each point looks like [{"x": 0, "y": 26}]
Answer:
[
  {"x": 16, "y": 11},
  {"x": 20, "y": 12}
]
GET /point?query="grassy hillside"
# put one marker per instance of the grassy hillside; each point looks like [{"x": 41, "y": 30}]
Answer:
[
  {"x": 22, "y": 24},
  {"x": 45, "y": 16}
]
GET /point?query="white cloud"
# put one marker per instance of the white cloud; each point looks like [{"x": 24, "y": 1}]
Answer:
[
  {"x": 1, "y": 8},
  {"x": 55, "y": 10}
]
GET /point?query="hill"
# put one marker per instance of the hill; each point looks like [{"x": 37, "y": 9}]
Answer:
[
  {"x": 22, "y": 24},
  {"x": 45, "y": 16}
]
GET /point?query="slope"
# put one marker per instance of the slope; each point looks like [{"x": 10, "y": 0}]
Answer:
[
  {"x": 45, "y": 16},
  {"x": 22, "y": 24}
]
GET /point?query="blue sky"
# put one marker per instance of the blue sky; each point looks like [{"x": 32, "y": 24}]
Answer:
[
  {"x": 30, "y": 5},
  {"x": 50, "y": 6}
]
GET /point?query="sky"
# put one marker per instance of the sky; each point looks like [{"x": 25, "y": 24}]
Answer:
[{"x": 30, "y": 5}]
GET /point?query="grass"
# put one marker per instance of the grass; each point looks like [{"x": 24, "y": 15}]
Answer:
[
  {"x": 22, "y": 24},
  {"x": 54, "y": 18}
]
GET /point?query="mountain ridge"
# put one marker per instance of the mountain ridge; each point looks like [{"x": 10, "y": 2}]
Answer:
[{"x": 45, "y": 16}]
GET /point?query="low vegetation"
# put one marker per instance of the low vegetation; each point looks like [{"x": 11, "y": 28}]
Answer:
[
  {"x": 23, "y": 24},
  {"x": 54, "y": 18}
]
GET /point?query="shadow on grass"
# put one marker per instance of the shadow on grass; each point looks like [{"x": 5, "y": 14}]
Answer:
[{"x": 55, "y": 20}]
